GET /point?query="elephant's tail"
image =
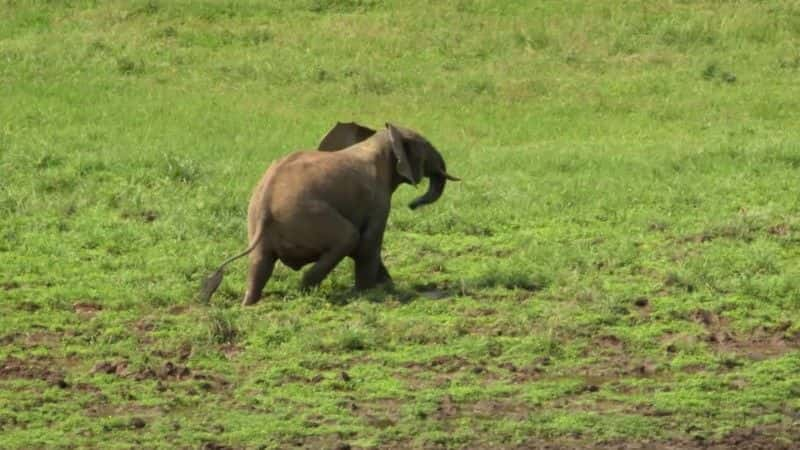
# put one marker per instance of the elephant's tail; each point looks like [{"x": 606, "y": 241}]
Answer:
[{"x": 211, "y": 283}]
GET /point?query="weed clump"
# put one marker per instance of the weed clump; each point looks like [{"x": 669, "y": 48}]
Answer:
[
  {"x": 127, "y": 66},
  {"x": 713, "y": 72},
  {"x": 222, "y": 328},
  {"x": 181, "y": 170}
]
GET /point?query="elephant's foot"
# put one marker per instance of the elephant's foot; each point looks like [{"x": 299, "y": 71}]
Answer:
[
  {"x": 261, "y": 266},
  {"x": 384, "y": 279},
  {"x": 250, "y": 299}
]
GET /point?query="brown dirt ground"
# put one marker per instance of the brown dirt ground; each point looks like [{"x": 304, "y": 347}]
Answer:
[
  {"x": 32, "y": 369},
  {"x": 765, "y": 438},
  {"x": 759, "y": 344}
]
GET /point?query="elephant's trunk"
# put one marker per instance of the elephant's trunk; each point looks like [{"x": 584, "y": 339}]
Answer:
[{"x": 435, "y": 188}]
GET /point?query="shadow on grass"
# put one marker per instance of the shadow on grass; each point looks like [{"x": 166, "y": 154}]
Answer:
[
  {"x": 515, "y": 280},
  {"x": 462, "y": 287},
  {"x": 377, "y": 295}
]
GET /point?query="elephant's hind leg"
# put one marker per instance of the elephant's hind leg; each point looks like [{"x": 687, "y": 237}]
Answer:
[
  {"x": 345, "y": 239},
  {"x": 261, "y": 265}
]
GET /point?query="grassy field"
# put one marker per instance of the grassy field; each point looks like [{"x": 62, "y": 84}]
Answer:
[{"x": 620, "y": 267}]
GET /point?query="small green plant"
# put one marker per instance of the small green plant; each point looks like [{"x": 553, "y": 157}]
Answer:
[
  {"x": 534, "y": 39},
  {"x": 168, "y": 32},
  {"x": 222, "y": 327},
  {"x": 353, "y": 340},
  {"x": 324, "y": 6},
  {"x": 372, "y": 84},
  {"x": 182, "y": 170},
  {"x": 479, "y": 87},
  {"x": 150, "y": 8},
  {"x": 713, "y": 72},
  {"x": 258, "y": 36},
  {"x": 127, "y": 66}
]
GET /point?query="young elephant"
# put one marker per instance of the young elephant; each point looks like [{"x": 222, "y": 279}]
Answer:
[{"x": 322, "y": 206}]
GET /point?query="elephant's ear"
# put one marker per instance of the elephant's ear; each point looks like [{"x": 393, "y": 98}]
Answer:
[
  {"x": 404, "y": 159},
  {"x": 343, "y": 135}
]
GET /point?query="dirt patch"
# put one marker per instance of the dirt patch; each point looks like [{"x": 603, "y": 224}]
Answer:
[
  {"x": 10, "y": 338},
  {"x": 781, "y": 229},
  {"x": 230, "y": 350},
  {"x": 436, "y": 294},
  {"x": 762, "y": 343},
  {"x": 765, "y": 438},
  {"x": 643, "y": 306},
  {"x": 9, "y": 285},
  {"x": 444, "y": 363},
  {"x": 505, "y": 408},
  {"x": 441, "y": 370},
  {"x": 643, "y": 369},
  {"x": 43, "y": 338},
  {"x": 211, "y": 382},
  {"x": 167, "y": 372},
  {"x": 615, "y": 368},
  {"x": 178, "y": 309},
  {"x": 86, "y": 387},
  {"x": 146, "y": 216},
  {"x": 28, "y": 306},
  {"x": 447, "y": 409},
  {"x": 145, "y": 325},
  {"x": 86, "y": 309},
  {"x": 698, "y": 238},
  {"x": 480, "y": 312},
  {"x": 100, "y": 406},
  {"x": 34, "y": 339},
  {"x": 609, "y": 342},
  {"x": 380, "y": 413},
  {"x": 523, "y": 374},
  {"x": 746, "y": 232},
  {"x": 769, "y": 437},
  {"x": 673, "y": 342},
  {"x": 330, "y": 441},
  {"x": 181, "y": 352},
  {"x": 757, "y": 346},
  {"x": 32, "y": 369},
  {"x": 119, "y": 368},
  {"x": 323, "y": 365},
  {"x": 708, "y": 318},
  {"x": 214, "y": 446},
  {"x": 569, "y": 444}
]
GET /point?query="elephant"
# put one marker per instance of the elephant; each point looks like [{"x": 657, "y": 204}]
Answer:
[{"x": 322, "y": 206}]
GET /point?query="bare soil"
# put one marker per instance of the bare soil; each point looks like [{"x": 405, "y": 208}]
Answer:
[
  {"x": 759, "y": 344},
  {"x": 765, "y": 438},
  {"x": 86, "y": 309},
  {"x": 32, "y": 369}
]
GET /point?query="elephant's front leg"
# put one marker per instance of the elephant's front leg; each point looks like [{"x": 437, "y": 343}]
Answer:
[
  {"x": 367, "y": 271},
  {"x": 370, "y": 270},
  {"x": 383, "y": 275}
]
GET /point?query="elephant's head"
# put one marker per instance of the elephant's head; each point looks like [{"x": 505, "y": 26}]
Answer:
[{"x": 417, "y": 158}]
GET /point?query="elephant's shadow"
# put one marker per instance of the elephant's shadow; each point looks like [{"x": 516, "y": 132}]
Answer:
[
  {"x": 523, "y": 283},
  {"x": 380, "y": 294},
  {"x": 345, "y": 296}
]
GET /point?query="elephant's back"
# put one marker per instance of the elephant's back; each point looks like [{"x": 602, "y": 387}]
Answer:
[{"x": 333, "y": 178}]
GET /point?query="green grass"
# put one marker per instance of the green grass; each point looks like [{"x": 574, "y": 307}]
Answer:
[{"x": 619, "y": 265}]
